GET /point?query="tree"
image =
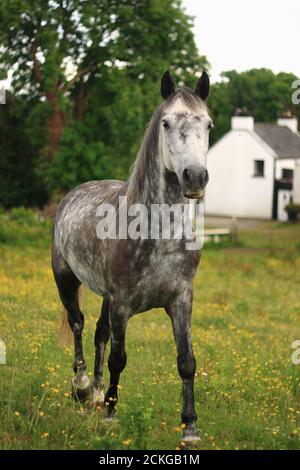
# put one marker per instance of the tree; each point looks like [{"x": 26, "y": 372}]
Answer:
[
  {"x": 41, "y": 40},
  {"x": 264, "y": 94},
  {"x": 19, "y": 185}
]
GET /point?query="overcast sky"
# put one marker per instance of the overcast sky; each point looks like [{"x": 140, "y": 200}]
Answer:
[{"x": 237, "y": 34}]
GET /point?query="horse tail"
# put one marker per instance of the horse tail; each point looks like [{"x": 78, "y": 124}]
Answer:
[{"x": 65, "y": 334}]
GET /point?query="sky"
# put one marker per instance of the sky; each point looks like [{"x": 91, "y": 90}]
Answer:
[{"x": 240, "y": 34}]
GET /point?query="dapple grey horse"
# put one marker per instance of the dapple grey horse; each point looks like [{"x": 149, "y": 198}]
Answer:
[{"x": 137, "y": 274}]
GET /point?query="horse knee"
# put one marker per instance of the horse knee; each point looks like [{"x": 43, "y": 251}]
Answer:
[
  {"x": 76, "y": 320},
  {"x": 186, "y": 365}
]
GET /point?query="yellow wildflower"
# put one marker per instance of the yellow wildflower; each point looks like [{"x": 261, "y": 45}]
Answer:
[{"x": 126, "y": 442}]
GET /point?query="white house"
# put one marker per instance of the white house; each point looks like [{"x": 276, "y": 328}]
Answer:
[{"x": 254, "y": 169}]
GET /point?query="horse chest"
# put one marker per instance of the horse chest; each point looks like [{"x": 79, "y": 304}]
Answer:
[{"x": 148, "y": 276}]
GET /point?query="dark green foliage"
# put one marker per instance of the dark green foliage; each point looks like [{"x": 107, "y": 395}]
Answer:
[
  {"x": 293, "y": 211},
  {"x": 105, "y": 144},
  {"x": 264, "y": 94},
  {"x": 88, "y": 125},
  {"x": 19, "y": 184}
]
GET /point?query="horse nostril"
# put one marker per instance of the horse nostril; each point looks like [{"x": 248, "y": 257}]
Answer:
[
  {"x": 203, "y": 178},
  {"x": 206, "y": 177},
  {"x": 187, "y": 176}
]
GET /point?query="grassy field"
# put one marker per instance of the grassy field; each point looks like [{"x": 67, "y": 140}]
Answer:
[{"x": 246, "y": 315}]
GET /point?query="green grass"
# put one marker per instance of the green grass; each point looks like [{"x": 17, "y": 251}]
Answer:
[{"x": 246, "y": 315}]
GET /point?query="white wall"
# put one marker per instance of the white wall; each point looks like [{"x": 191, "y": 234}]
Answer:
[
  {"x": 232, "y": 189},
  {"x": 242, "y": 122},
  {"x": 296, "y": 185},
  {"x": 291, "y": 123}
]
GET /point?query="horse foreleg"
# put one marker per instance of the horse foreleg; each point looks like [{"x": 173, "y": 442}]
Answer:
[
  {"x": 117, "y": 357},
  {"x": 180, "y": 312},
  {"x": 101, "y": 338}
]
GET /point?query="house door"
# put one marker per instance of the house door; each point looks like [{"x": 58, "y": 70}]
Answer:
[{"x": 284, "y": 197}]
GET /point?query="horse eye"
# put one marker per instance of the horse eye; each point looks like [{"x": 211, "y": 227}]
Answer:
[
  {"x": 210, "y": 125},
  {"x": 165, "y": 124}
]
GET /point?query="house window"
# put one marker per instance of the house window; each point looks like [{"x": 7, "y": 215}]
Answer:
[
  {"x": 287, "y": 174},
  {"x": 259, "y": 168}
]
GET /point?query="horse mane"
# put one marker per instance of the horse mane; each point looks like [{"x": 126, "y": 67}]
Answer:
[{"x": 145, "y": 167}]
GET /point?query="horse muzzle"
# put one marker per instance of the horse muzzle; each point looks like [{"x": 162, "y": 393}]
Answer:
[{"x": 194, "y": 180}]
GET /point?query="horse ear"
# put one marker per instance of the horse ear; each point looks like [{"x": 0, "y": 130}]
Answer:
[
  {"x": 202, "y": 86},
  {"x": 167, "y": 86}
]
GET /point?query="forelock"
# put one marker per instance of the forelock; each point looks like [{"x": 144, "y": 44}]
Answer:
[{"x": 188, "y": 97}]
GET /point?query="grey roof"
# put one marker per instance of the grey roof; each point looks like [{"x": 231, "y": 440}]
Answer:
[{"x": 281, "y": 139}]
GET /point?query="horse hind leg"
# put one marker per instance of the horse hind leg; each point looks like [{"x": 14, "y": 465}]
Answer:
[
  {"x": 117, "y": 358},
  {"x": 68, "y": 288},
  {"x": 102, "y": 334}
]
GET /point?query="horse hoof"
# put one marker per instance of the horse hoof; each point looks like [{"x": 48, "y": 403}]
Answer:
[
  {"x": 98, "y": 397},
  {"x": 80, "y": 395},
  {"x": 190, "y": 441},
  {"x": 190, "y": 437},
  {"x": 110, "y": 413},
  {"x": 81, "y": 389},
  {"x": 110, "y": 421}
]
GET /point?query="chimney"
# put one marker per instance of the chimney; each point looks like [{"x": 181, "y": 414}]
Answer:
[
  {"x": 288, "y": 120},
  {"x": 242, "y": 120}
]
